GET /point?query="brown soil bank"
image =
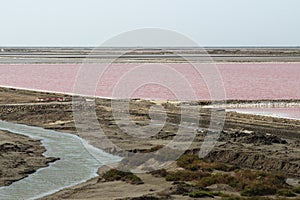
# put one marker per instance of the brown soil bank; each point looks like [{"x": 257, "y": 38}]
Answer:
[
  {"x": 20, "y": 156},
  {"x": 235, "y": 148},
  {"x": 247, "y": 141}
]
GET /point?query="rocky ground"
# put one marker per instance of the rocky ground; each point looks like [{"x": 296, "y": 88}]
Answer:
[{"x": 247, "y": 141}]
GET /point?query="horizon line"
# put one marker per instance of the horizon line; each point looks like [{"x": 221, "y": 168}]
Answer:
[{"x": 150, "y": 47}]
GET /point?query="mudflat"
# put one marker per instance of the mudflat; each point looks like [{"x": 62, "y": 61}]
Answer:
[{"x": 20, "y": 156}]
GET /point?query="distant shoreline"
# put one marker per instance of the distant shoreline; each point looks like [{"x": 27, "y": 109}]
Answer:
[
  {"x": 148, "y": 54},
  {"x": 191, "y": 102}
]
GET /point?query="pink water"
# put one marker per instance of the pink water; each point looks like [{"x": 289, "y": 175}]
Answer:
[{"x": 241, "y": 81}]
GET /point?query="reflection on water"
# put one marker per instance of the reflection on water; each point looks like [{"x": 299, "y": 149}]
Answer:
[{"x": 75, "y": 166}]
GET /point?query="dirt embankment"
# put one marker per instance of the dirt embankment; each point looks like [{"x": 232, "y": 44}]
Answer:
[
  {"x": 20, "y": 156},
  {"x": 247, "y": 141},
  {"x": 235, "y": 148},
  {"x": 261, "y": 151}
]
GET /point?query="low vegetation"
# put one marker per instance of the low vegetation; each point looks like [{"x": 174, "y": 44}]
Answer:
[
  {"x": 286, "y": 193},
  {"x": 251, "y": 184},
  {"x": 258, "y": 183},
  {"x": 183, "y": 175},
  {"x": 217, "y": 179},
  {"x": 159, "y": 173},
  {"x": 116, "y": 175},
  {"x": 193, "y": 163},
  {"x": 297, "y": 189}
]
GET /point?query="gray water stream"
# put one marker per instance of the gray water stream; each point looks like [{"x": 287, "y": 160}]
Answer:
[{"x": 76, "y": 164}]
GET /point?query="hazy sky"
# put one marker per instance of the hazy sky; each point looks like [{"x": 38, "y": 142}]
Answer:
[{"x": 91, "y": 22}]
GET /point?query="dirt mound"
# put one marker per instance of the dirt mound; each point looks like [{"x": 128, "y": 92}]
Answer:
[{"x": 251, "y": 137}]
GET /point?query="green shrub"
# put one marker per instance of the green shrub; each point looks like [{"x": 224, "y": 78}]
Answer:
[
  {"x": 224, "y": 167},
  {"x": 179, "y": 176},
  {"x": 182, "y": 188},
  {"x": 200, "y": 194},
  {"x": 159, "y": 173},
  {"x": 132, "y": 179},
  {"x": 250, "y": 183},
  {"x": 185, "y": 175},
  {"x": 286, "y": 193},
  {"x": 296, "y": 190},
  {"x": 233, "y": 183},
  {"x": 193, "y": 163},
  {"x": 250, "y": 178},
  {"x": 258, "y": 189},
  {"x": 216, "y": 179},
  {"x": 188, "y": 161},
  {"x": 116, "y": 175}
]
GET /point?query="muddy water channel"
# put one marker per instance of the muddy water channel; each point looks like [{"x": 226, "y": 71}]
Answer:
[{"x": 76, "y": 164}]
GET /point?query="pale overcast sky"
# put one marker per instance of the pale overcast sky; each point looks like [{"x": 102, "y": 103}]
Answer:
[{"x": 208, "y": 22}]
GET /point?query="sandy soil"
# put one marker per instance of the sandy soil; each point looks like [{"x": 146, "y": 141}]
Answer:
[{"x": 113, "y": 190}]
